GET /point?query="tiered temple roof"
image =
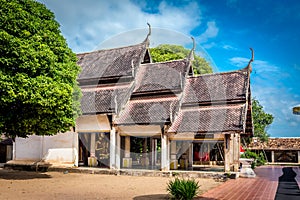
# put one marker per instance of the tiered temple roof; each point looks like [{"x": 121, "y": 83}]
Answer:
[
  {"x": 110, "y": 64},
  {"x": 107, "y": 77},
  {"x": 154, "y": 99},
  {"x": 213, "y": 103},
  {"x": 161, "y": 77},
  {"x": 148, "y": 110},
  {"x": 121, "y": 81}
]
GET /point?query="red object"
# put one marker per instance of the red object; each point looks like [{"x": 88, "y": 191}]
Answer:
[
  {"x": 204, "y": 156},
  {"x": 242, "y": 150},
  {"x": 196, "y": 156}
]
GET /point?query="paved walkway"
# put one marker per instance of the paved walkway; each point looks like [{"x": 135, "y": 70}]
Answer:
[{"x": 262, "y": 187}]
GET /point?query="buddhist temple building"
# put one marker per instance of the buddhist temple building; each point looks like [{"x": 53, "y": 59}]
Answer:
[{"x": 137, "y": 114}]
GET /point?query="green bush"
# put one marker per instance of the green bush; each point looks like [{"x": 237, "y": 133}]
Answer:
[
  {"x": 259, "y": 159},
  {"x": 183, "y": 189}
]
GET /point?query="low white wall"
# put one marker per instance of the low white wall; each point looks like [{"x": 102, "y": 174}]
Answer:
[{"x": 61, "y": 148}]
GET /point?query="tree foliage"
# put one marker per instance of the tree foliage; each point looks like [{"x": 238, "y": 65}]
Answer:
[
  {"x": 37, "y": 72},
  {"x": 259, "y": 159},
  {"x": 166, "y": 52},
  {"x": 261, "y": 121}
]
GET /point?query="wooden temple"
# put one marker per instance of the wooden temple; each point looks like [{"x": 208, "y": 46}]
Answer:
[{"x": 139, "y": 114}]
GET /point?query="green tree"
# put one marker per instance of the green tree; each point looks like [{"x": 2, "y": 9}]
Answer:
[
  {"x": 38, "y": 89},
  {"x": 166, "y": 52},
  {"x": 261, "y": 120}
]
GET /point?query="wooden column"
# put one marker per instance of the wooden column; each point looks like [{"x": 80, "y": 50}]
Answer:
[
  {"x": 227, "y": 152},
  {"x": 127, "y": 161},
  {"x": 190, "y": 162},
  {"x": 127, "y": 146},
  {"x": 173, "y": 159},
  {"x": 298, "y": 156},
  {"x": 153, "y": 143},
  {"x": 145, "y": 159},
  {"x": 236, "y": 151},
  {"x": 273, "y": 157},
  {"x": 112, "y": 149}
]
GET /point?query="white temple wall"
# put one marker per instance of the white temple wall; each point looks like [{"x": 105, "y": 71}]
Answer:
[{"x": 61, "y": 148}]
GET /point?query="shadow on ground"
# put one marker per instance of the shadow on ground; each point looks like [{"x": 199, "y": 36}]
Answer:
[
  {"x": 22, "y": 175},
  {"x": 152, "y": 196},
  {"x": 204, "y": 198},
  {"x": 287, "y": 186},
  {"x": 164, "y": 196}
]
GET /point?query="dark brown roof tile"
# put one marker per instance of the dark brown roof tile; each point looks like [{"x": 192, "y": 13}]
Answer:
[
  {"x": 102, "y": 99},
  {"x": 110, "y": 62},
  {"x": 153, "y": 77},
  {"x": 148, "y": 110},
  {"x": 215, "y": 88},
  {"x": 209, "y": 119}
]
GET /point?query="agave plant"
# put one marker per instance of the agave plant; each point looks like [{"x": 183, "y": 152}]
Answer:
[{"x": 183, "y": 189}]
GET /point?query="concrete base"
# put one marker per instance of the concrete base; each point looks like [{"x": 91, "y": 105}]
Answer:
[{"x": 27, "y": 166}]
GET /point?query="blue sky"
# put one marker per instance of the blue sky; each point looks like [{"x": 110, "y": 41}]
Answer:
[{"x": 223, "y": 29}]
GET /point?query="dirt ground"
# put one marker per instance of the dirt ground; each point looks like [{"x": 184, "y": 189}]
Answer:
[{"x": 57, "y": 185}]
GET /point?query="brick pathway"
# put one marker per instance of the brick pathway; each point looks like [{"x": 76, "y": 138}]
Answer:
[{"x": 263, "y": 187}]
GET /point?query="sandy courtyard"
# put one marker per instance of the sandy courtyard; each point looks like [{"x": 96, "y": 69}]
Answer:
[{"x": 57, "y": 185}]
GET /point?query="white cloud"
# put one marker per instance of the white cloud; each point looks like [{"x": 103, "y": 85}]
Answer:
[
  {"x": 278, "y": 102},
  {"x": 85, "y": 24},
  {"x": 239, "y": 61},
  {"x": 229, "y": 47},
  {"x": 211, "y": 32},
  {"x": 259, "y": 66},
  {"x": 267, "y": 81}
]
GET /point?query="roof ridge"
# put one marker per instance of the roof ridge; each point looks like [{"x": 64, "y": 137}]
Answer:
[
  {"x": 164, "y": 62},
  {"x": 115, "y": 48},
  {"x": 219, "y": 73}
]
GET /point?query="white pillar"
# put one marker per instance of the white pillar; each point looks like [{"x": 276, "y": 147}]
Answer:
[
  {"x": 92, "y": 160},
  {"x": 298, "y": 156},
  {"x": 92, "y": 145},
  {"x": 75, "y": 147},
  {"x": 14, "y": 150},
  {"x": 273, "y": 157},
  {"x": 118, "y": 151},
  {"x": 164, "y": 153},
  {"x": 112, "y": 149}
]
